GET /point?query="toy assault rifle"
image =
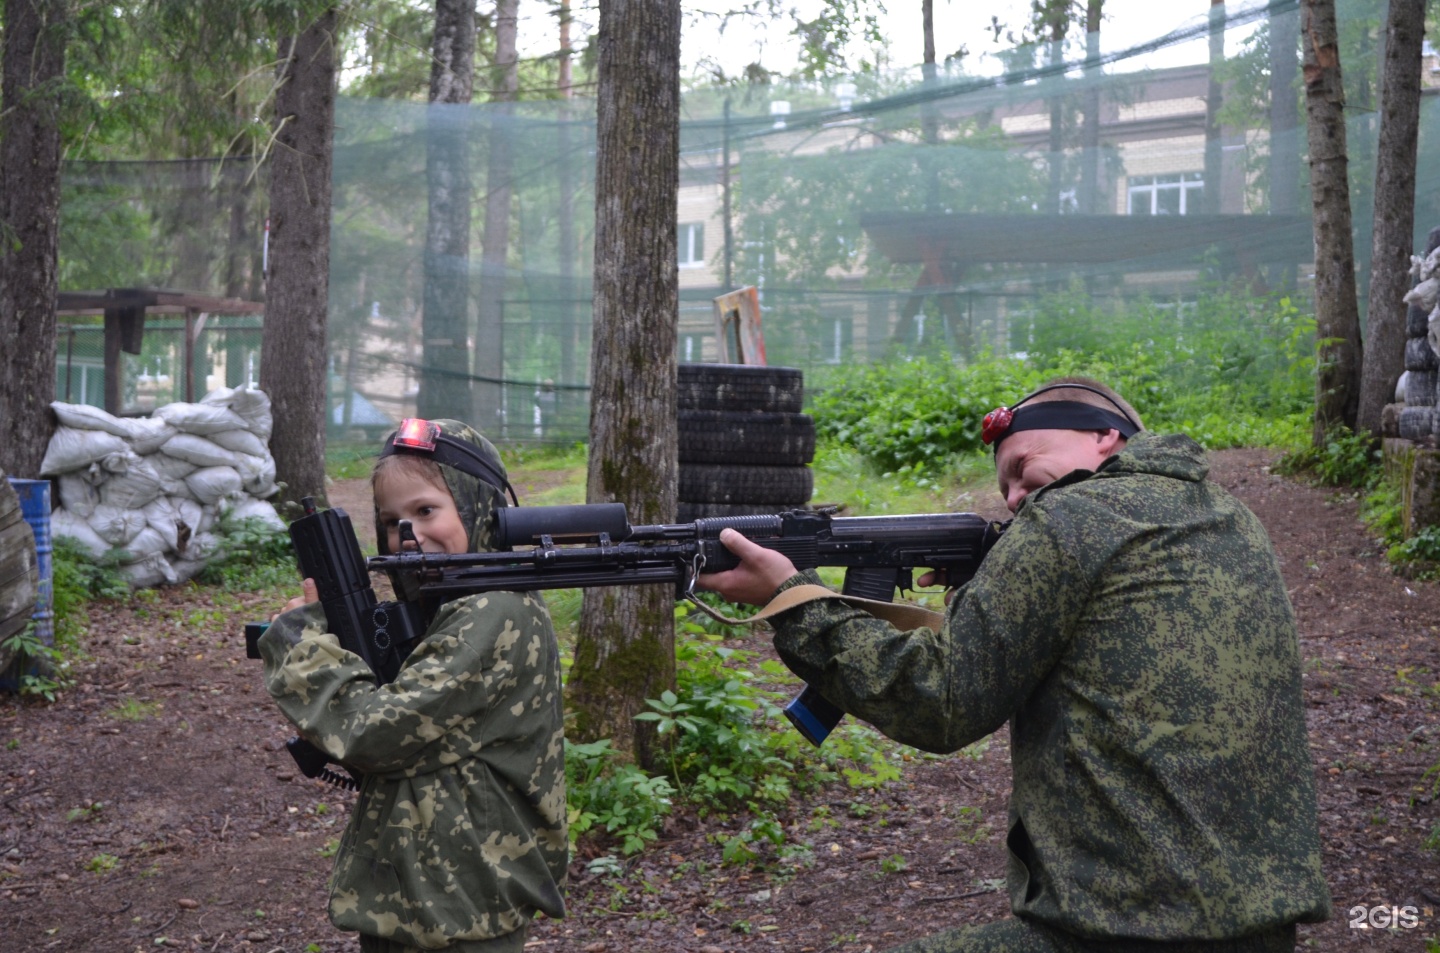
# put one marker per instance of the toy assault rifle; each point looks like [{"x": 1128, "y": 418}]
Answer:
[
  {"x": 381, "y": 633},
  {"x": 583, "y": 546}
]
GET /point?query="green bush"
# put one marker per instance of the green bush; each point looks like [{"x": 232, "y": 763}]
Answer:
[
  {"x": 1227, "y": 370},
  {"x": 253, "y": 556}
]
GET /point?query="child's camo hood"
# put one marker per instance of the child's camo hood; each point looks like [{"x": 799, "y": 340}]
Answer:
[{"x": 475, "y": 499}]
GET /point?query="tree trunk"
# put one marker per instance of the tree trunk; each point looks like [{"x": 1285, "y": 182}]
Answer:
[
  {"x": 1283, "y": 165},
  {"x": 1394, "y": 211},
  {"x": 293, "y": 366},
  {"x": 33, "y": 58},
  {"x": 625, "y": 652},
  {"x": 1214, "y": 99},
  {"x": 1058, "y": 23},
  {"x": 1337, "y": 317},
  {"x": 495, "y": 241},
  {"x": 1090, "y": 128},
  {"x": 445, "y": 382}
]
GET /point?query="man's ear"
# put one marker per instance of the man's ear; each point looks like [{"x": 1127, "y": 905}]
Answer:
[{"x": 1109, "y": 442}]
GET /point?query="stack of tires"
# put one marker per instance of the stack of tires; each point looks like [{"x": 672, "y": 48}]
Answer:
[
  {"x": 745, "y": 447},
  {"x": 1422, "y": 365}
]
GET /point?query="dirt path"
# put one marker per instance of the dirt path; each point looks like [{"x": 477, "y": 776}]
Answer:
[{"x": 154, "y": 806}]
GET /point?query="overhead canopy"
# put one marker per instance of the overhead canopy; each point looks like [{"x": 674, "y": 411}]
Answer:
[{"x": 125, "y": 310}]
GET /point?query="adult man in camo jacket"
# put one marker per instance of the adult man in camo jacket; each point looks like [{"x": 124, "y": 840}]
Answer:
[
  {"x": 1133, "y": 627},
  {"x": 459, "y": 832}
]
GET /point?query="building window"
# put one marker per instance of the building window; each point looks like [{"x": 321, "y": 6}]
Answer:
[
  {"x": 1177, "y": 194},
  {"x": 690, "y": 244}
]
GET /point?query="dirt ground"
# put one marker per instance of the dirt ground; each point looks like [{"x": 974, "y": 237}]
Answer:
[{"x": 154, "y": 806}]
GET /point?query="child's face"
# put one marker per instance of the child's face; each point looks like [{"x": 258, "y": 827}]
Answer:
[{"x": 429, "y": 508}]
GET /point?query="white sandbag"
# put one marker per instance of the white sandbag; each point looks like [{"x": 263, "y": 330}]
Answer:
[
  {"x": 257, "y": 475},
  {"x": 189, "y": 512},
  {"x": 256, "y": 510},
  {"x": 113, "y": 463},
  {"x": 254, "y": 407},
  {"x": 211, "y": 484},
  {"x": 134, "y": 488},
  {"x": 72, "y": 449},
  {"x": 198, "y": 450},
  {"x": 86, "y": 417},
  {"x": 203, "y": 546},
  {"x": 171, "y": 468},
  {"x": 115, "y": 525},
  {"x": 147, "y": 542},
  {"x": 202, "y": 419},
  {"x": 241, "y": 441},
  {"x": 1433, "y": 334},
  {"x": 148, "y": 434},
  {"x": 77, "y": 494},
  {"x": 65, "y": 523},
  {"x": 160, "y": 516},
  {"x": 1425, "y": 294},
  {"x": 220, "y": 396},
  {"x": 209, "y": 518},
  {"x": 149, "y": 572},
  {"x": 187, "y": 569}
]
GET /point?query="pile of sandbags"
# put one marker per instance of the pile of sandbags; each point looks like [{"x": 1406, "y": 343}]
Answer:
[{"x": 153, "y": 490}]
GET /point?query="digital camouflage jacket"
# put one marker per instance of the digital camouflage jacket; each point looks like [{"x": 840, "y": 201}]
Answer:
[
  {"x": 459, "y": 832},
  {"x": 1133, "y": 627}
]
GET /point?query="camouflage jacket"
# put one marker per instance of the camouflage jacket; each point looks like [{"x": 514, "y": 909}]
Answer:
[
  {"x": 459, "y": 832},
  {"x": 1133, "y": 627}
]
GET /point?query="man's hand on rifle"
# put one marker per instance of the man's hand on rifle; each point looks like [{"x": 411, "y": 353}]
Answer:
[
  {"x": 310, "y": 593},
  {"x": 754, "y": 581}
]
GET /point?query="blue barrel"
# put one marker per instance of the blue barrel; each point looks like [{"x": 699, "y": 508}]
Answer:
[{"x": 35, "y": 508}]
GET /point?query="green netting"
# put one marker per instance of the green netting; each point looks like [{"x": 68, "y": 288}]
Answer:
[{"x": 886, "y": 216}]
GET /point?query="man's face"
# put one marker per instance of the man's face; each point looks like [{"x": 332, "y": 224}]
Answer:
[
  {"x": 1030, "y": 459},
  {"x": 429, "y": 508}
]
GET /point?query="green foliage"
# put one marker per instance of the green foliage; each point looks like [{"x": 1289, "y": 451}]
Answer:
[
  {"x": 1347, "y": 459},
  {"x": 1226, "y": 370},
  {"x": 605, "y": 792},
  {"x": 42, "y": 671},
  {"x": 102, "y": 863},
  {"x": 253, "y": 556}
]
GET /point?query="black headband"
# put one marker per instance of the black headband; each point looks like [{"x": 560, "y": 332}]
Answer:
[
  {"x": 1062, "y": 415},
  {"x": 458, "y": 455},
  {"x": 1068, "y": 415}
]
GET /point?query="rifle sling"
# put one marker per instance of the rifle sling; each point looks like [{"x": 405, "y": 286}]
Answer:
[{"x": 902, "y": 615}]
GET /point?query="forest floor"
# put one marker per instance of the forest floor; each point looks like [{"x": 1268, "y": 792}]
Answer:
[{"x": 153, "y": 805}]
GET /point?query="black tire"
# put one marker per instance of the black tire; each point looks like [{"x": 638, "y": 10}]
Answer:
[
  {"x": 1420, "y": 389},
  {"x": 739, "y": 387},
  {"x": 765, "y": 439},
  {"x": 690, "y": 512},
  {"x": 1417, "y": 321},
  {"x": 1416, "y": 423},
  {"x": 708, "y": 483},
  {"x": 1419, "y": 355}
]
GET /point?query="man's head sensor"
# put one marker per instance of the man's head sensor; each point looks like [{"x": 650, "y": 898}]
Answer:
[{"x": 425, "y": 438}]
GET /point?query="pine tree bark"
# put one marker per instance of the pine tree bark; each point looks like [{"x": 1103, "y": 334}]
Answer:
[
  {"x": 1394, "y": 237},
  {"x": 293, "y": 365},
  {"x": 31, "y": 66},
  {"x": 1337, "y": 317},
  {"x": 445, "y": 318},
  {"x": 1090, "y": 190},
  {"x": 495, "y": 240},
  {"x": 1214, "y": 99},
  {"x": 1283, "y": 162},
  {"x": 625, "y": 652}
]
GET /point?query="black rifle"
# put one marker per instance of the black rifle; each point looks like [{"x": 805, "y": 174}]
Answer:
[
  {"x": 583, "y": 546},
  {"x": 381, "y": 633}
]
